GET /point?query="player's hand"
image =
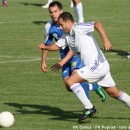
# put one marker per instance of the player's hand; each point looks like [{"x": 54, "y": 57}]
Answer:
[
  {"x": 41, "y": 46},
  {"x": 44, "y": 67},
  {"x": 107, "y": 46},
  {"x": 56, "y": 67}
]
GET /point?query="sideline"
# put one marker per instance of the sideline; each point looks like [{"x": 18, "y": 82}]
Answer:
[
  {"x": 38, "y": 59},
  {"x": 15, "y": 22}
]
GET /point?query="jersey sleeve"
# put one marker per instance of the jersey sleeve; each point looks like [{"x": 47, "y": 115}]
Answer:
[
  {"x": 62, "y": 42},
  {"x": 47, "y": 37}
]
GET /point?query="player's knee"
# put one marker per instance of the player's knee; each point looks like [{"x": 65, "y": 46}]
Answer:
[
  {"x": 68, "y": 88},
  {"x": 114, "y": 94},
  {"x": 69, "y": 83}
]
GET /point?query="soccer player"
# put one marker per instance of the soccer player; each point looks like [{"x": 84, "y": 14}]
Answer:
[
  {"x": 47, "y": 5},
  {"x": 77, "y": 7},
  {"x": 4, "y": 2},
  {"x": 53, "y": 31},
  {"x": 96, "y": 67},
  {"x": 78, "y": 10}
]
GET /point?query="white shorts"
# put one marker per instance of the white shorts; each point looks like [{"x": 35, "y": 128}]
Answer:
[{"x": 101, "y": 75}]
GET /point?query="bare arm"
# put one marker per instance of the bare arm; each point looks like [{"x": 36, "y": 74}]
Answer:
[
  {"x": 52, "y": 47},
  {"x": 58, "y": 66},
  {"x": 43, "y": 61},
  {"x": 45, "y": 50},
  {"x": 107, "y": 45},
  {"x": 66, "y": 58}
]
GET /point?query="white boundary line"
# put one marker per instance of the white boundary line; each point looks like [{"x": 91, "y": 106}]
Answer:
[
  {"x": 19, "y": 61},
  {"x": 25, "y": 60},
  {"x": 38, "y": 59},
  {"x": 16, "y": 22}
]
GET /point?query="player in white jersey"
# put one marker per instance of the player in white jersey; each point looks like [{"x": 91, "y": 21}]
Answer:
[
  {"x": 47, "y": 5},
  {"x": 77, "y": 7},
  {"x": 96, "y": 67},
  {"x": 78, "y": 10}
]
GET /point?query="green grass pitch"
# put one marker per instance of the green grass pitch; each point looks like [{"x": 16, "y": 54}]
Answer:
[{"x": 40, "y": 101}]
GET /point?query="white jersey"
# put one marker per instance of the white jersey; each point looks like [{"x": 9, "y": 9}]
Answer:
[
  {"x": 81, "y": 42},
  {"x": 83, "y": 45}
]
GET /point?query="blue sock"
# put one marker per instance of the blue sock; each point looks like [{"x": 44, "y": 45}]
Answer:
[
  {"x": 85, "y": 86},
  {"x": 94, "y": 87}
]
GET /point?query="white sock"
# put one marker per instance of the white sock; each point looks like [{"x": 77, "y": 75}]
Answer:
[
  {"x": 49, "y": 1},
  {"x": 71, "y": 4},
  {"x": 78, "y": 10},
  {"x": 79, "y": 91},
  {"x": 90, "y": 87},
  {"x": 125, "y": 98}
]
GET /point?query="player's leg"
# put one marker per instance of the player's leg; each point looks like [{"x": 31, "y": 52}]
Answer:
[
  {"x": 74, "y": 83},
  {"x": 66, "y": 72},
  {"x": 71, "y": 4},
  {"x": 85, "y": 88},
  {"x": 95, "y": 87},
  {"x": 85, "y": 74},
  {"x": 76, "y": 64},
  {"x": 47, "y": 5},
  {"x": 78, "y": 10},
  {"x": 128, "y": 55},
  {"x": 113, "y": 91},
  {"x": 98, "y": 89},
  {"x": 118, "y": 94}
]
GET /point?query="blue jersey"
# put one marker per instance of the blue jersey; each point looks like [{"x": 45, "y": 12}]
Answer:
[{"x": 53, "y": 31}]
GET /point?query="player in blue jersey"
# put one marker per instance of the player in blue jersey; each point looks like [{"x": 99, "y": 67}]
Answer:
[{"x": 53, "y": 31}]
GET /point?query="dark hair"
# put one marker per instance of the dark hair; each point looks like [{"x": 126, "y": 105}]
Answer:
[
  {"x": 66, "y": 16},
  {"x": 55, "y": 3}
]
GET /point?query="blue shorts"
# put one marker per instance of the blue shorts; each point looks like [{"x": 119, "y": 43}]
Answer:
[{"x": 69, "y": 67}]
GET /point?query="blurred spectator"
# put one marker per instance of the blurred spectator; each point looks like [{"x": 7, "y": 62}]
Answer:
[{"x": 4, "y": 2}]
